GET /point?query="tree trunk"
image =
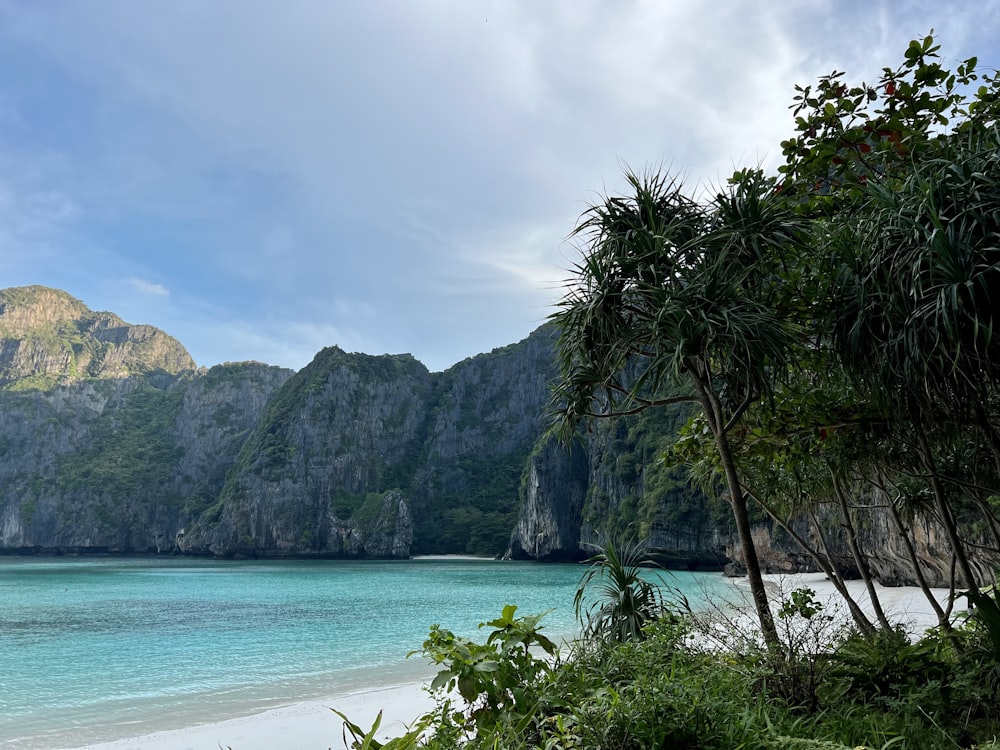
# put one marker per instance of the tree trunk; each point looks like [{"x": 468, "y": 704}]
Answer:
[
  {"x": 859, "y": 558},
  {"x": 942, "y": 616},
  {"x": 944, "y": 508},
  {"x": 825, "y": 564},
  {"x": 737, "y": 500}
]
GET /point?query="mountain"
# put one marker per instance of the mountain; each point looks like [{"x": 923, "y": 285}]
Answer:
[
  {"x": 48, "y": 338},
  {"x": 112, "y": 440}
]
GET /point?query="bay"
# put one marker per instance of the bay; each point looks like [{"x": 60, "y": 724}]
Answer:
[{"x": 95, "y": 649}]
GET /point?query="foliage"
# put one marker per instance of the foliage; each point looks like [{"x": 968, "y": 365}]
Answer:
[
  {"x": 852, "y": 303},
  {"x": 497, "y": 680},
  {"x": 669, "y": 690},
  {"x": 850, "y": 135},
  {"x": 887, "y": 665},
  {"x": 669, "y": 288},
  {"x": 362, "y": 739},
  {"x": 625, "y": 602},
  {"x": 131, "y": 450},
  {"x": 473, "y": 505},
  {"x": 985, "y": 619}
]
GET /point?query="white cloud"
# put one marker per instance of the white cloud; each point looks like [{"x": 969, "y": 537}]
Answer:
[
  {"x": 148, "y": 288},
  {"x": 291, "y": 343},
  {"x": 397, "y": 175}
]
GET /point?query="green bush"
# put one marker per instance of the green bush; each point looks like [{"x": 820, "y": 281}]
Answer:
[
  {"x": 669, "y": 691},
  {"x": 624, "y": 602}
]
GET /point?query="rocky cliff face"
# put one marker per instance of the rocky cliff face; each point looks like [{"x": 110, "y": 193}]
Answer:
[
  {"x": 555, "y": 490},
  {"x": 327, "y": 444},
  {"x": 113, "y": 464},
  {"x": 49, "y": 338},
  {"x": 611, "y": 480},
  {"x": 488, "y": 412},
  {"x": 351, "y": 430},
  {"x": 112, "y": 440}
]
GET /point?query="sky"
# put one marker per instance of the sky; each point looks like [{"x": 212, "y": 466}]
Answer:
[{"x": 264, "y": 178}]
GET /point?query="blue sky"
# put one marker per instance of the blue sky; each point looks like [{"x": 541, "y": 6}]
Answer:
[{"x": 263, "y": 178}]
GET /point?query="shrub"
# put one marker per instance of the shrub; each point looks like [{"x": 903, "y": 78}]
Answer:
[{"x": 625, "y": 602}]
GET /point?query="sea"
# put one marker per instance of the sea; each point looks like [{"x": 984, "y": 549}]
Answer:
[{"x": 94, "y": 649}]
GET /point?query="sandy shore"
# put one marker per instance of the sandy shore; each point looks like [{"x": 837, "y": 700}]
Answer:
[
  {"x": 301, "y": 726},
  {"x": 905, "y": 605},
  {"x": 313, "y": 726}
]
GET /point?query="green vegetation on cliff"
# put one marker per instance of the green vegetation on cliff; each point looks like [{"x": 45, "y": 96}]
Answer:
[{"x": 131, "y": 451}]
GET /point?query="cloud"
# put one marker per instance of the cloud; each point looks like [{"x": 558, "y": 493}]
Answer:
[
  {"x": 394, "y": 175},
  {"x": 148, "y": 288},
  {"x": 292, "y": 343}
]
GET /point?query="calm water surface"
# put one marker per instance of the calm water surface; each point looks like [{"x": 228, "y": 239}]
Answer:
[{"x": 93, "y": 649}]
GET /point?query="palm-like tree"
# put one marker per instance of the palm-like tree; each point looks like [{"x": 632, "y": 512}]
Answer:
[
  {"x": 624, "y": 601},
  {"x": 675, "y": 296},
  {"x": 916, "y": 305}
]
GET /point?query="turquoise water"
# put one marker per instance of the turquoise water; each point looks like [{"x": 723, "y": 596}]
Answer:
[{"x": 93, "y": 649}]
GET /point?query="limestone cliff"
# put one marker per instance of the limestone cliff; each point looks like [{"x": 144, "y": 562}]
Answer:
[
  {"x": 350, "y": 430},
  {"x": 611, "y": 479},
  {"x": 112, "y": 440},
  {"x": 49, "y": 338},
  {"x": 487, "y": 414},
  {"x": 332, "y": 437},
  {"x": 120, "y": 464},
  {"x": 555, "y": 490}
]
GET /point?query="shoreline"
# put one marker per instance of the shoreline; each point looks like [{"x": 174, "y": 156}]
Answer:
[
  {"x": 308, "y": 725},
  {"x": 311, "y": 725},
  {"x": 905, "y": 605}
]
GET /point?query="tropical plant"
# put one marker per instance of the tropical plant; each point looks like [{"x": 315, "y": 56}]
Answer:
[
  {"x": 621, "y": 601},
  {"x": 495, "y": 679},
  {"x": 364, "y": 739},
  {"x": 914, "y": 313},
  {"x": 985, "y": 617},
  {"x": 678, "y": 301}
]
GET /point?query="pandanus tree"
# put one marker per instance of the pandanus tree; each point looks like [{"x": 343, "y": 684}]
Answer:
[
  {"x": 680, "y": 300},
  {"x": 903, "y": 172},
  {"x": 614, "y": 601},
  {"x": 917, "y": 306}
]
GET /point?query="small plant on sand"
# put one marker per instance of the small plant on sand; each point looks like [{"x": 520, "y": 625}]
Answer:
[{"x": 625, "y": 602}]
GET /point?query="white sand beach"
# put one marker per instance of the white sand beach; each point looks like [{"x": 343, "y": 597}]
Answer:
[
  {"x": 313, "y": 726},
  {"x": 905, "y": 605},
  {"x": 301, "y": 726}
]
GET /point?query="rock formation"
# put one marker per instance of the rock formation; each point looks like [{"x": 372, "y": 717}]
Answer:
[{"x": 112, "y": 440}]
